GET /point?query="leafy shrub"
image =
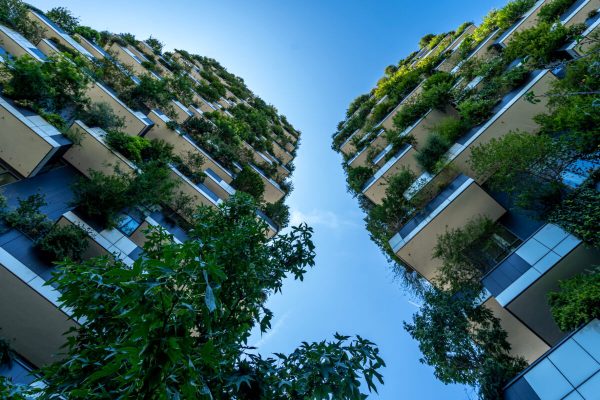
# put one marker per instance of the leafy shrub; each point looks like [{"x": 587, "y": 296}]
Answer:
[
  {"x": 279, "y": 212},
  {"x": 432, "y": 152},
  {"x": 14, "y": 14},
  {"x": 475, "y": 111},
  {"x": 27, "y": 80},
  {"x": 88, "y": 33},
  {"x": 28, "y": 218},
  {"x": 554, "y": 9},
  {"x": 450, "y": 128},
  {"x": 357, "y": 177},
  {"x": 250, "y": 182},
  {"x": 101, "y": 115},
  {"x": 577, "y": 301},
  {"x": 138, "y": 149},
  {"x": 150, "y": 94},
  {"x": 579, "y": 214},
  {"x": 425, "y": 40},
  {"x": 62, "y": 242},
  {"x": 155, "y": 44},
  {"x": 191, "y": 166}
]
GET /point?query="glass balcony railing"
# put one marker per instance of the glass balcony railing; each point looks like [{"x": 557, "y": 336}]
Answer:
[
  {"x": 533, "y": 258},
  {"x": 20, "y": 42},
  {"x": 569, "y": 371}
]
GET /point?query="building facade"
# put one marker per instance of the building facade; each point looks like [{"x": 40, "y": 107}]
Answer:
[
  {"x": 207, "y": 135},
  {"x": 412, "y": 150}
]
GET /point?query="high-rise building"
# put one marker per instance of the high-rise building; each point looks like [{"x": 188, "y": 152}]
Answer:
[
  {"x": 157, "y": 133},
  {"x": 413, "y": 148}
]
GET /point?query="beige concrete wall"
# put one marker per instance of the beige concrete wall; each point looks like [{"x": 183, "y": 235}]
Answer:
[
  {"x": 33, "y": 326},
  {"x": 126, "y": 59},
  {"x": 272, "y": 194},
  {"x": 524, "y": 342},
  {"x": 180, "y": 115},
  {"x": 518, "y": 117},
  {"x": 98, "y": 94},
  {"x": 348, "y": 147},
  {"x": 376, "y": 193},
  {"x": 93, "y": 250},
  {"x": 47, "y": 48},
  {"x": 184, "y": 187},
  {"x": 20, "y": 147},
  {"x": 181, "y": 146},
  {"x": 527, "y": 23},
  {"x": 281, "y": 153},
  {"x": 86, "y": 45},
  {"x": 472, "y": 202},
  {"x": 11, "y": 46},
  {"x": 94, "y": 154},
  {"x": 582, "y": 14},
  {"x": 586, "y": 44}
]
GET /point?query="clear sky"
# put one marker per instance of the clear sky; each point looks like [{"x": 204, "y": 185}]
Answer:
[{"x": 310, "y": 58}]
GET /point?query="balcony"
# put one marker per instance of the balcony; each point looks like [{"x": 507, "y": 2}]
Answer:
[
  {"x": 348, "y": 146},
  {"x": 126, "y": 57},
  {"x": 181, "y": 111},
  {"x": 360, "y": 159},
  {"x": 204, "y": 105},
  {"x": 27, "y": 141},
  {"x": 136, "y": 123},
  {"x": 93, "y": 154},
  {"x": 199, "y": 194},
  {"x": 453, "y": 58},
  {"x": 183, "y": 145},
  {"x": 481, "y": 51},
  {"x": 282, "y": 153},
  {"x": 30, "y": 311},
  {"x": 273, "y": 228},
  {"x": 579, "y": 12},
  {"x": 17, "y": 46},
  {"x": 525, "y": 22},
  {"x": 375, "y": 187},
  {"x": 53, "y": 32},
  {"x": 513, "y": 113},
  {"x": 273, "y": 191},
  {"x": 583, "y": 47},
  {"x": 570, "y": 370},
  {"x": 91, "y": 47},
  {"x": 461, "y": 201},
  {"x": 521, "y": 281},
  {"x": 48, "y": 47}
]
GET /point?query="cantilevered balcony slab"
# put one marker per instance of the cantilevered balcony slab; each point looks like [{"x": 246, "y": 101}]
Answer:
[
  {"x": 136, "y": 123},
  {"x": 184, "y": 145},
  {"x": 27, "y": 141},
  {"x": 388, "y": 121},
  {"x": 262, "y": 158},
  {"x": 181, "y": 111},
  {"x": 203, "y": 104},
  {"x": 52, "y": 31},
  {"x": 375, "y": 187},
  {"x": 513, "y": 113},
  {"x": 579, "y": 12},
  {"x": 17, "y": 46},
  {"x": 94, "y": 49},
  {"x": 528, "y": 20},
  {"x": 570, "y": 370},
  {"x": 461, "y": 201},
  {"x": 360, "y": 159},
  {"x": 93, "y": 154},
  {"x": 48, "y": 47},
  {"x": 30, "y": 313},
  {"x": 452, "y": 59},
  {"x": 348, "y": 146},
  {"x": 523, "y": 341},
  {"x": 282, "y": 153},
  {"x": 273, "y": 191},
  {"x": 521, "y": 281},
  {"x": 199, "y": 194},
  {"x": 482, "y": 51},
  {"x": 579, "y": 48},
  {"x": 127, "y": 57}
]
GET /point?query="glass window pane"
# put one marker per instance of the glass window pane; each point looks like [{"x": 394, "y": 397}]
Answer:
[
  {"x": 574, "y": 363},
  {"x": 547, "y": 381},
  {"x": 591, "y": 389}
]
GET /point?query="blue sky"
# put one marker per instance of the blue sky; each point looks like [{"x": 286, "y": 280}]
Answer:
[{"x": 310, "y": 59}]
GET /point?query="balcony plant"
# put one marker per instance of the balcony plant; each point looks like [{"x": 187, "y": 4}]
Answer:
[
  {"x": 63, "y": 242},
  {"x": 250, "y": 182}
]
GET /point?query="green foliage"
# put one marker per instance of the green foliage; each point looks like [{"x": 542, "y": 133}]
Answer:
[
  {"x": 102, "y": 197},
  {"x": 554, "y": 9},
  {"x": 27, "y": 217},
  {"x": 577, "y": 301},
  {"x": 450, "y": 128},
  {"x": 431, "y": 155},
  {"x": 138, "y": 149},
  {"x": 64, "y": 19},
  {"x": 88, "y": 33},
  {"x": 191, "y": 166},
  {"x": 425, "y": 40},
  {"x": 27, "y": 81},
  {"x": 62, "y": 242},
  {"x": 150, "y": 93},
  {"x": 155, "y": 44},
  {"x": 188, "y": 337},
  {"x": 6, "y": 353},
  {"x": 10, "y": 390},
  {"x": 250, "y": 182},
  {"x": 101, "y": 115},
  {"x": 279, "y": 212},
  {"x": 13, "y": 13},
  {"x": 579, "y": 214},
  {"x": 357, "y": 177},
  {"x": 475, "y": 111},
  {"x": 540, "y": 43}
]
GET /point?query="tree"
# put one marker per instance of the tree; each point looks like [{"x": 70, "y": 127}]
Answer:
[
  {"x": 14, "y": 14},
  {"x": 62, "y": 17},
  {"x": 577, "y": 301},
  {"x": 101, "y": 115},
  {"x": 155, "y": 44},
  {"x": 249, "y": 181},
  {"x": 176, "y": 323}
]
